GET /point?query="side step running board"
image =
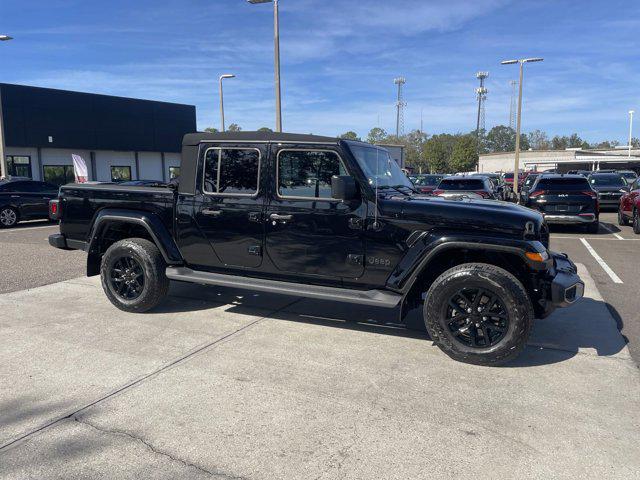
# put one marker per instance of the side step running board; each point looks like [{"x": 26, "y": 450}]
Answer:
[{"x": 377, "y": 298}]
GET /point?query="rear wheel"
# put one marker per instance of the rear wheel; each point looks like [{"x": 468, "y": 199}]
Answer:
[
  {"x": 133, "y": 276},
  {"x": 622, "y": 220},
  {"x": 478, "y": 313},
  {"x": 8, "y": 217}
]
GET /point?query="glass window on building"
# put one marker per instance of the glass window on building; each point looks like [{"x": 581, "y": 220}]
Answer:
[
  {"x": 19, "y": 166},
  {"x": 174, "y": 172},
  {"x": 120, "y": 173},
  {"x": 58, "y": 174}
]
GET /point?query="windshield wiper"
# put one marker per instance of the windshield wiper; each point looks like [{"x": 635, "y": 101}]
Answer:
[{"x": 396, "y": 188}]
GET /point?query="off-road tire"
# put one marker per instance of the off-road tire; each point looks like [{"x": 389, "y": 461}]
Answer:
[
  {"x": 499, "y": 282},
  {"x": 622, "y": 220},
  {"x": 636, "y": 222},
  {"x": 149, "y": 258},
  {"x": 9, "y": 213}
]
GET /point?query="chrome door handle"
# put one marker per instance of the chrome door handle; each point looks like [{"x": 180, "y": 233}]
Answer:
[
  {"x": 275, "y": 216},
  {"x": 210, "y": 212}
]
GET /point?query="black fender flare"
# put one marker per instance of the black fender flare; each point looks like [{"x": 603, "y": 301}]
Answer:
[
  {"x": 427, "y": 249},
  {"x": 149, "y": 221}
]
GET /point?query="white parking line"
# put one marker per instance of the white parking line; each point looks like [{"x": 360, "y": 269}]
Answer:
[
  {"x": 27, "y": 229},
  {"x": 603, "y": 264},
  {"x": 619, "y": 237}
]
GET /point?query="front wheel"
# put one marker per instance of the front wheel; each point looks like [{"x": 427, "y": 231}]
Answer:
[
  {"x": 622, "y": 220},
  {"x": 478, "y": 313},
  {"x": 133, "y": 276},
  {"x": 8, "y": 217}
]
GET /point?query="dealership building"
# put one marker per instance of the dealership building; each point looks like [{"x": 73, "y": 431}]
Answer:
[{"x": 118, "y": 138}]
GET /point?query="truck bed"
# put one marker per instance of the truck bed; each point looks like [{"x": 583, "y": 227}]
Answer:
[{"x": 82, "y": 202}]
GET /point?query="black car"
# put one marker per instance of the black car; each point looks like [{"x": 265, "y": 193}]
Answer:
[
  {"x": 24, "y": 200},
  {"x": 323, "y": 218},
  {"x": 500, "y": 189},
  {"x": 526, "y": 186},
  {"x": 427, "y": 183},
  {"x": 460, "y": 185},
  {"x": 565, "y": 199},
  {"x": 609, "y": 187}
]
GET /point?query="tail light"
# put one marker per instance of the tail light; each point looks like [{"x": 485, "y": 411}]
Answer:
[
  {"x": 591, "y": 193},
  {"x": 54, "y": 209},
  {"x": 437, "y": 191},
  {"x": 537, "y": 193}
]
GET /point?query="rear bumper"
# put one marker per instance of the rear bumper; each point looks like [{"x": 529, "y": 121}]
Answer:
[
  {"x": 58, "y": 240},
  {"x": 570, "y": 219}
]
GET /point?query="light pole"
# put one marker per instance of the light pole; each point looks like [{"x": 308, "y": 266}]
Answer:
[
  {"x": 516, "y": 169},
  {"x": 276, "y": 41},
  {"x": 226, "y": 75},
  {"x": 3, "y": 159},
  {"x": 630, "y": 129}
]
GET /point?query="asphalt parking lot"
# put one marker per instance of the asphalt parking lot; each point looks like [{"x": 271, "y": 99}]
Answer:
[{"x": 228, "y": 384}]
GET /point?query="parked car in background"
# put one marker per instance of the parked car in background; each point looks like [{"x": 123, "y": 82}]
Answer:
[
  {"x": 144, "y": 183},
  {"x": 609, "y": 187},
  {"x": 526, "y": 186},
  {"x": 565, "y": 199},
  {"x": 501, "y": 191},
  {"x": 584, "y": 173},
  {"x": 472, "y": 184},
  {"x": 24, "y": 200},
  {"x": 427, "y": 183},
  {"x": 629, "y": 207},
  {"x": 629, "y": 175}
]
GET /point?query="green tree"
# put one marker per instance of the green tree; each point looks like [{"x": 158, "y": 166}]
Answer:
[
  {"x": 264, "y": 129},
  {"x": 437, "y": 152},
  {"x": 464, "y": 156},
  {"x": 234, "y": 127},
  {"x": 503, "y": 139},
  {"x": 211, "y": 130},
  {"x": 350, "y": 135},
  {"x": 377, "y": 135},
  {"x": 414, "y": 143},
  {"x": 538, "y": 140}
]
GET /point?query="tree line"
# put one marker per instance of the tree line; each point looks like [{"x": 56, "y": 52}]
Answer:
[{"x": 458, "y": 152}]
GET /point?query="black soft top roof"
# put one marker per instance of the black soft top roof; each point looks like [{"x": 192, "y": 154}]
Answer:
[{"x": 196, "y": 138}]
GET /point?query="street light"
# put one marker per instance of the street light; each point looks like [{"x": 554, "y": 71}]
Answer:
[
  {"x": 630, "y": 129},
  {"x": 516, "y": 170},
  {"x": 276, "y": 41},
  {"x": 3, "y": 160},
  {"x": 226, "y": 75}
]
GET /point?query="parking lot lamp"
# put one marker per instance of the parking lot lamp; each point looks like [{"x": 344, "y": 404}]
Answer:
[
  {"x": 3, "y": 160},
  {"x": 516, "y": 169},
  {"x": 276, "y": 41},
  {"x": 222, "y": 77},
  {"x": 630, "y": 130}
]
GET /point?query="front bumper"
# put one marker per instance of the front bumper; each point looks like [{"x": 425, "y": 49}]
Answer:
[{"x": 566, "y": 286}]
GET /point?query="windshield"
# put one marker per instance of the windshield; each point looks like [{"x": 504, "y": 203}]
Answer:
[
  {"x": 461, "y": 184},
  {"x": 607, "y": 180},
  {"x": 428, "y": 181},
  {"x": 379, "y": 167},
  {"x": 530, "y": 179}
]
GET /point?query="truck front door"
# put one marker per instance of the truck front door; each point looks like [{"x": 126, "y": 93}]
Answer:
[
  {"x": 228, "y": 207},
  {"x": 307, "y": 231}
]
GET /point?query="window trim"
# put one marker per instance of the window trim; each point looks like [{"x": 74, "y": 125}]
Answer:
[
  {"x": 64, "y": 168},
  {"x": 218, "y": 194},
  {"x": 111, "y": 167},
  {"x": 294, "y": 197}
]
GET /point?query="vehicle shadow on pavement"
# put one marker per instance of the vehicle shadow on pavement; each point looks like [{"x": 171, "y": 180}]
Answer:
[
  {"x": 15, "y": 412},
  {"x": 589, "y": 327},
  {"x": 605, "y": 229}
]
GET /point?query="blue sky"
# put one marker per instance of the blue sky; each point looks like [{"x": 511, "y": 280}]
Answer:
[{"x": 339, "y": 58}]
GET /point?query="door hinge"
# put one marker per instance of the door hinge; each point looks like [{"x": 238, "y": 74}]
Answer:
[
  {"x": 255, "y": 250},
  {"x": 355, "y": 259}
]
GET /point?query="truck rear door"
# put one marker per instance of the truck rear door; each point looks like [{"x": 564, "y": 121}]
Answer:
[{"x": 228, "y": 205}]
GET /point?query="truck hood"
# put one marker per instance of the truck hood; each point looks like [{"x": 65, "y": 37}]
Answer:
[{"x": 469, "y": 215}]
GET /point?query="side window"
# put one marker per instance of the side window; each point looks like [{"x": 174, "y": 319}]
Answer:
[
  {"x": 307, "y": 173},
  {"x": 231, "y": 171}
]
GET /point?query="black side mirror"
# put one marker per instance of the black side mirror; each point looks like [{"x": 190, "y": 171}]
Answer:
[{"x": 343, "y": 187}]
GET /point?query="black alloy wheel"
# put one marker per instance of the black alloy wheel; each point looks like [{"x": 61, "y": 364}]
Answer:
[
  {"x": 127, "y": 278},
  {"x": 477, "y": 317}
]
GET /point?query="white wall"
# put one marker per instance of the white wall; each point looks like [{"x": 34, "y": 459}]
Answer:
[
  {"x": 171, "y": 160},
  {"x": 106, "y": 159},
  {"x": 150, "y": 165}
]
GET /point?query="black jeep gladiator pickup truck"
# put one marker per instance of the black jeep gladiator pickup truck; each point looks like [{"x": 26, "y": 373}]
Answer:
[{"x": 323, "y": 218}]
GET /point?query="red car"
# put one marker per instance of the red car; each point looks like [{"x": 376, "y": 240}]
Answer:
[{"x": 629, "y": 208}]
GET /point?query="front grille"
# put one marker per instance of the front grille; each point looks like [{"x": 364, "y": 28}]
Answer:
[{"x": 544, "y": 234}]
